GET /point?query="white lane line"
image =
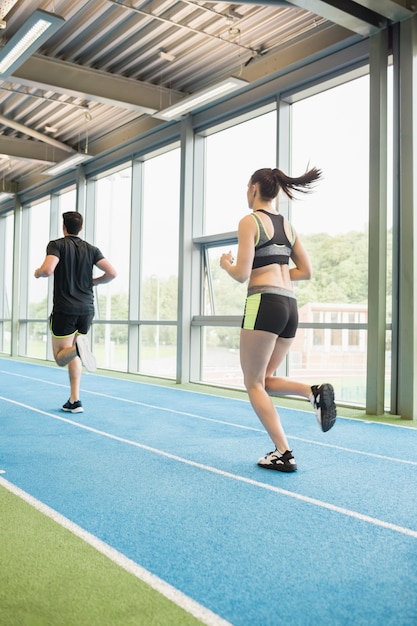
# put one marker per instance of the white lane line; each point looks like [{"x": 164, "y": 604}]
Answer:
[
  {"x": 232, "y": 424},
  {"x": 188, "y": 604},
  {"x": 208, "y": 468},
  {"x": 374, "y": 455}
]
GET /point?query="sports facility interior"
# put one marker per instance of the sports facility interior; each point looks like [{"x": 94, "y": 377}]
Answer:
[{"x": 149, "y": 117}]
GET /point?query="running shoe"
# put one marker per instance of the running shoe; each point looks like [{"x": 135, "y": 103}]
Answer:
[
  {"x": 87, "y": 357},
  {"x": 322, "y": 399},
  {"x": 275, "y": 460},
  {"x": 73, "y": 407}
]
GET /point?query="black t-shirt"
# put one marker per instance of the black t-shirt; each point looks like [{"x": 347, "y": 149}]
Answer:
[{"x": 73, "y": 276}]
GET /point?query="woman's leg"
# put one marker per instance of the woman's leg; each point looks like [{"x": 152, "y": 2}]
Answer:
[
  {"x": 276, "y": 385},
  {"x": 320, "y": 396},
  {"x": 256, "y": 350}
]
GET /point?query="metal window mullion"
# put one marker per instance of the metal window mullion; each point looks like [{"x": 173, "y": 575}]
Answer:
[
  {"x": 377, "y": 266},
  {"x": 207, "y": 273},
  {"x": 284, "y": 130},
  {"x": 186, "y": 277},
  {"x": 135, "y": 279},
  {"x": 407, "y": 258}
]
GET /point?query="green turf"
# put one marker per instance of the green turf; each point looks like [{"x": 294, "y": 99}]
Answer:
[{"x": 50, "y": 577}]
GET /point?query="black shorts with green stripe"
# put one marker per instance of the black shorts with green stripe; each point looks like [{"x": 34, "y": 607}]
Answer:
[
  {"x": 272, "y": 312},
  {"x": 62, "y": 325}
]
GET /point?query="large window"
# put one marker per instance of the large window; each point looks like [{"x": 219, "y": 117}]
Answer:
[
  {"x": 67, "y": 201},
  {"x": 6, "y": 278},
  {"x": 231, "y": 157},
  {"x": 332, "y": 222},
  {"x": 42, "y": 222},
  {"x": 112, "y": 236},
  {"x": 159, "y": 265},
  {"x": 132, "y": 213},
  {"x": 37, "y": 220}
]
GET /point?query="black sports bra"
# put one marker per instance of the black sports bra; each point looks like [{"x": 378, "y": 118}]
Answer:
[{"x": 275, "y": 249}]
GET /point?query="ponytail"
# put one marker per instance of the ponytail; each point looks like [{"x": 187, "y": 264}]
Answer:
[
  {"x": 272, "y": 180},
  {"x": 302, "y": 184}
]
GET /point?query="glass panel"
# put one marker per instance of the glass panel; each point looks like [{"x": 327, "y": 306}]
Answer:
[
  {"x": 158, "y": 350},
  {"x": 67, "y": 201},
  {"x": 220, "y": 356},
  {"x": 332, "y": 222},
  {"x": 231, "y": 159},
  {"x": 226, "y": 296},
  {"x": 6, "y": 337},
  {"x": 110, "y": 345},
  {"x": 159, "y": 264},
  {"x": 230, "y": 162},
  {"x": 112, "y": 236},
  {"x": 38, "y": 240},
  {"x": 37, "y": 338},
  {"x": 6, "y": 296},
  {"x": 159, "y": 254}
]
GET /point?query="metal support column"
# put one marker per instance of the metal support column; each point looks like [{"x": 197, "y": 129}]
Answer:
[
  {"x": 377, "y": 264},
  {"x": 17, "y": 249},
  {"x": 185, "y": 252},
  {"x": 407, "y": 223},
  {"x": 135, "y": 279}
]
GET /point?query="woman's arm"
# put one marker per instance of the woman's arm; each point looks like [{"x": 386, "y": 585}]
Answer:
[
  {"x": 241, "y": 270},
  {"x": 303, "y": 269}
]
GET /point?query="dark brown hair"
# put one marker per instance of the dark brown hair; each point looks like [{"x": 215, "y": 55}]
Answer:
[
  {"x": 73, "y": 222},
  {"x": 272, "y": 180}
]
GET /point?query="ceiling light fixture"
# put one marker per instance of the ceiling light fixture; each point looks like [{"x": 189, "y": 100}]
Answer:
[
  {"x": 8, "y": 188},
  {"x": 6, "y": 195},
  {"x": 67, "y": 164},
  {"x": 200, "y": 98},
  {"x": 27, "y": 39}
]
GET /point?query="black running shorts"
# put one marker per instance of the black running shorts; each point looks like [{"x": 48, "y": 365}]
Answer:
[
  {"x": 274, "y": 313},
  {"x": 63, "y": 325}
]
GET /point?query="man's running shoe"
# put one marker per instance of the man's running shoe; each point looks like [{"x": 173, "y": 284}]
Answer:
[
  {"x": 73, "y": 407},
  {"x": 275, "y": 460},
  {"x": 83, "y": 350},
  {"x": 322, "y": 399}
]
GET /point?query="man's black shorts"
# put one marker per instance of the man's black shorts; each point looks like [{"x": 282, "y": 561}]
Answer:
[{"x": 63, "y": 325}]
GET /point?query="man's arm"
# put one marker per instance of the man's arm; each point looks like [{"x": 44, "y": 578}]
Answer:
[
  {"x": 108, "y": 275},
  {"x": 48, "y": 267}
]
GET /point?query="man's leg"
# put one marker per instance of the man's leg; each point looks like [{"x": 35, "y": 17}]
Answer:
[
  {"x": 64, "y": 349},
  {"x": 74, "y": 372},
  {"x": 65, "y": 353}
]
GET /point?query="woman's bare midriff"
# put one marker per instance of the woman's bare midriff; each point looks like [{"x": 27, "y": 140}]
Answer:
[{"x": 271, "y": 275}]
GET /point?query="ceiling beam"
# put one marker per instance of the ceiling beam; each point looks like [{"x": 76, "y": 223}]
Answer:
[
  {"x": 124, "y": 134},
  {"x": 393, "y": 10},
  {"x": 318, "y": 41},
  {"x": 82, "y": 82},
  {"x": 35, "y": 134},
  {"x": 351, "y": 15},
  {"x": 30, "y": 150}
]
